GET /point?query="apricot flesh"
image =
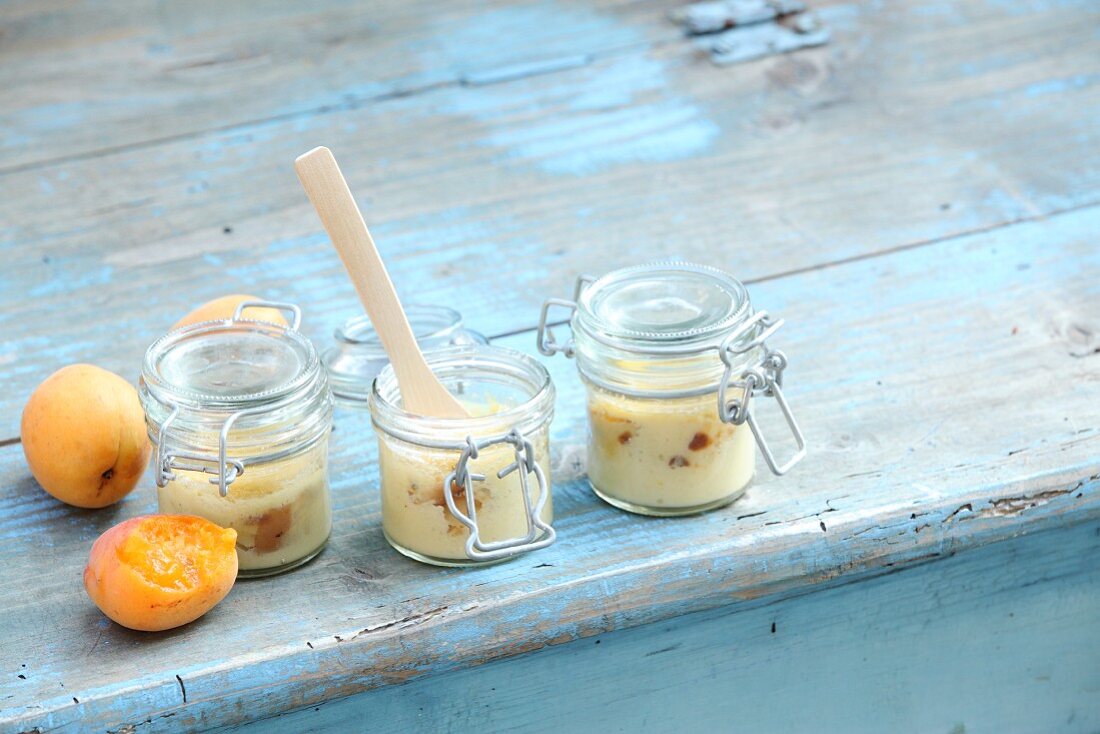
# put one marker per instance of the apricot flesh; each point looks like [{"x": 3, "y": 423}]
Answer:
[
  {"x": 156, "y": 572},
  {"x": 223, "y": 308},
  {"x": 84, "y": 436}
]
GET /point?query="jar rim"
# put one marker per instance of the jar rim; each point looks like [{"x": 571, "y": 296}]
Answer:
[
  {"x": 293, "y": 346},
  {"x": 664, "y": 307},
  {"x": 687, "y": 316},
  {"x": 474, "y": 361},
  {"x": 277, "y": 420},
  {"x": 428, "y": 321},
  {"x": 356, "y": 355}
]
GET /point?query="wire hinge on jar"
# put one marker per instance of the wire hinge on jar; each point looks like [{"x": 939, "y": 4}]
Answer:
[
  {"x": 763, "y": 378},
  {"x": 547, "y": 344},
  {"x": 224, "y": 469},
  {"x": 525, "y": 464}
]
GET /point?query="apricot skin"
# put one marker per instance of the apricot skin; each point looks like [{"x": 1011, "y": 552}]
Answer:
[
  {"x": 84, "y": 436},
  {"x": 129, "y": 584},
  {"x": 223, "y": 308}
]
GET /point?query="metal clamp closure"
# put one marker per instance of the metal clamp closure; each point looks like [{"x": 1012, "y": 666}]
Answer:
[
  {"x": 525, "y": 464},
  {"x": 763, "y": 378},
  {"x": 292, "y": 309},
  {"x": 224, "y": 469},
  {"x": 547, "y": 344}
]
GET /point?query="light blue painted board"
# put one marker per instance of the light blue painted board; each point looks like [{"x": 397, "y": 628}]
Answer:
[
  {"x": 895, "y": 478},
  {"x": 138, "y": 72},
  {"x": 901, "y": 474},
  {"x": 765, "y": 169},
  {"x": 998, "y": 639}
]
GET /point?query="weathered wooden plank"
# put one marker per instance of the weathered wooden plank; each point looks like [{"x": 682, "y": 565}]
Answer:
[
  {"x": 762, "y": 169},
  {"x": 80, "y": 78},
  {"x": 1001, "y": 638},
  {"x": 907, "y": 372}
]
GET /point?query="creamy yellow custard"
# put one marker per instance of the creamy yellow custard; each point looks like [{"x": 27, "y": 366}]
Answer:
[
  {"x": 508, "y": 396},
  {"x": 280, "y": 509},
  {"x": 665, "y": 456},
  {"x": 415, "y": 516}
]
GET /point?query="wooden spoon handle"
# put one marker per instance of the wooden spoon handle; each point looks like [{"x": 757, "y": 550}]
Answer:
[{"x": 421, "y": 390}]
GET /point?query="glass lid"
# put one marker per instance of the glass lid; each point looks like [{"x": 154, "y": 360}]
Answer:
[
  {"x": 664, "y": 304},
  {"x": 357, "y": 356},
  {"x": 229, "y": 363},
  {"x": 427, "y": 322}
]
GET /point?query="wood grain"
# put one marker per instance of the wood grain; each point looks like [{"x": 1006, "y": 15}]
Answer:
[
  {"x": 996, "y": 639},
  {"x": 918, "y": 198},
  {"x": 907, "y": 129},
  {"x": 77, "y": 79},
  {"x": 907, "y": 372}
]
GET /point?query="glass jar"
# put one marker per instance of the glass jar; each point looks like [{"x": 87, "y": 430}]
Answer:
[
  {"x": 358, "y": 355},
  {"x": 671, "y": 355},
  {"x": 248, "y": 403},
  {"x": 468, "y": 491}
]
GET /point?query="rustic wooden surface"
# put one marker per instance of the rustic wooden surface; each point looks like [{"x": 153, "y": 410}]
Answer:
[
  {"x": 903, "y": 652},
  {"x": 918, "y": 198}
]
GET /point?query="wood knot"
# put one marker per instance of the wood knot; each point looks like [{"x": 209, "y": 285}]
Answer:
[{"x": 799, "y": 74}]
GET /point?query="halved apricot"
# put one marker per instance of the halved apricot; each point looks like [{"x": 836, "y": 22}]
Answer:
[{"x": 157, "y": 572}]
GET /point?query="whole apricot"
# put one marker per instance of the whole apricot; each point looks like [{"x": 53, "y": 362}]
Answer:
[
  {"x": 157, "y": 572},
  {"x": 223, "y": 308},
  {"x": 84, "y": 436}
]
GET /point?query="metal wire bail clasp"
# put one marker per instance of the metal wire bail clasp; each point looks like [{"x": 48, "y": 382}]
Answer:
[
  {"x": 224, "y": 469},
  {"x": 525, "y": 464},
  {"x": 547, "y": 344},
  {"x": 292, "y": 309},
  {"x": 763, "y": 378}
]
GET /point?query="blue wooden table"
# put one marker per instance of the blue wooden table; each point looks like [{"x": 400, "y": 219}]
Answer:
[{"x": 918, "y": 197}]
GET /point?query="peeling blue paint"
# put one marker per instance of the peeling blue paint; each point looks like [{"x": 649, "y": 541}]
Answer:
[
  {"x": 1030, "y": 7},
  {"x": 581, "y": 145},
  {"x": 844, "y": 16},
  {"x": 56, "y": 116},
  {"x": 67, "y": 279},
  {"x": 508, "y": 36},
  {"x": 589, "y": 127},
  {"x": 1054, "y": 86}
]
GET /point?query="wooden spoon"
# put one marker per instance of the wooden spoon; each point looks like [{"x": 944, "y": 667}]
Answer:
[{"x": 421, "y": 390}]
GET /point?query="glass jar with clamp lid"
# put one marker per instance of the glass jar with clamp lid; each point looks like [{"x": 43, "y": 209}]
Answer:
[
  {"x": 474, "y": 490},
  {"x": 239, "y": 413},
  {"x": 673, "y": 357}
]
